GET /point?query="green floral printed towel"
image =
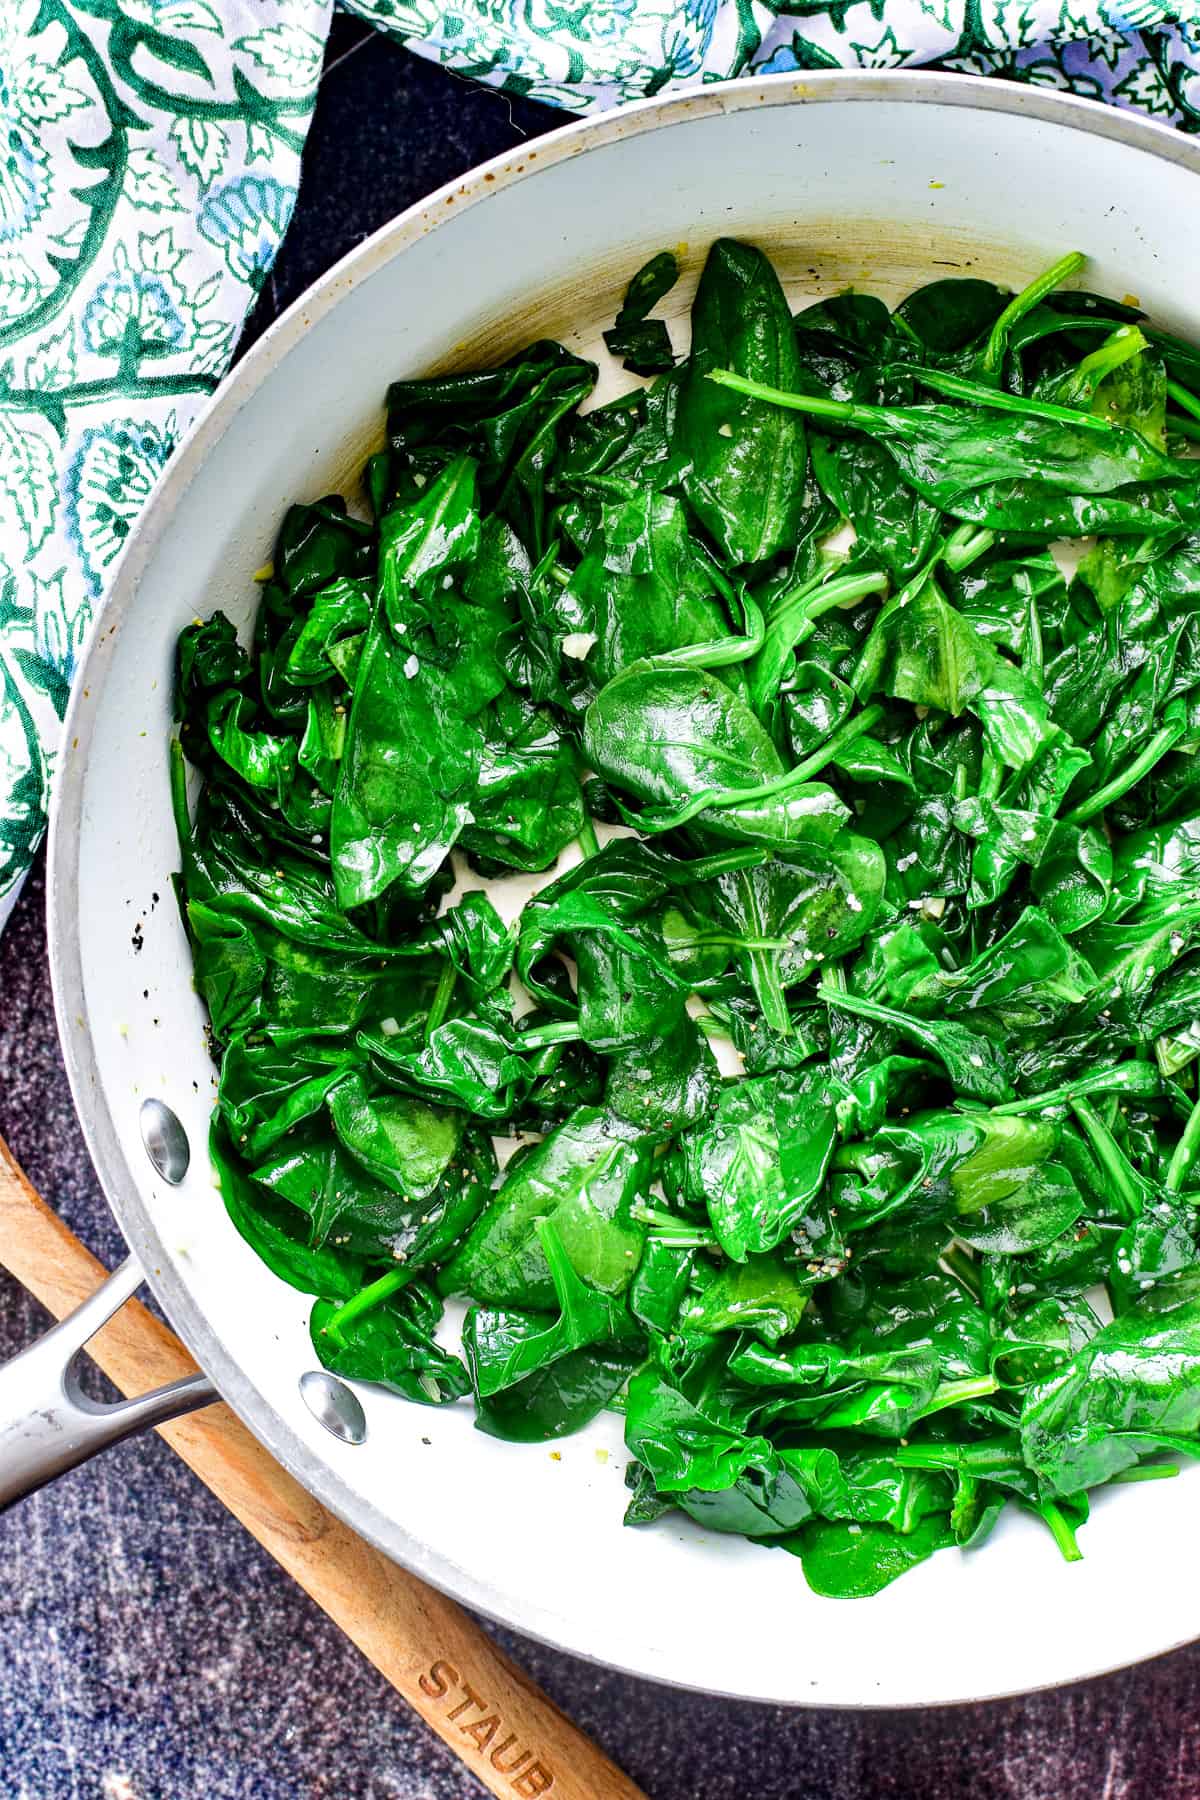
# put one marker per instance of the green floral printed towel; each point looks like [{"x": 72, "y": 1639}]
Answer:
[{"x": 149, "y": 167}]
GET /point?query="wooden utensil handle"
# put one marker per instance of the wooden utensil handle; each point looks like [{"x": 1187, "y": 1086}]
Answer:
[{"x": 486, "y": 1709}]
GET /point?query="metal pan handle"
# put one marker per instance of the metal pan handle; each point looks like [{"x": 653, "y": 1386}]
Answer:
[{"x": 48, "y": 1424}]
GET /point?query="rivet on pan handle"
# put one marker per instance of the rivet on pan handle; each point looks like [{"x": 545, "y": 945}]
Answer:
[{"x": 48, "y": 1424}]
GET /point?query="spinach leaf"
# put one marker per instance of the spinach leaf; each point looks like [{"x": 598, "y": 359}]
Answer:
[
  {"x": 1028, "y": 979},
  {"x": 264, "y": 1092},
  {"x": 894, "y": 525},
  {"x": 271, "y": 1232},
  {"x": 347, "y": 1202},
  {"x": 951, "y": 314},
  {"x": 626, "y": 986},
  {"x": 505, "y": 1347},
  {"x": 665, "y": 1083},
  {"x": 788, "y": 915},
  {"x": 975, "y": 1065},
  {"x": 742, "y": 462},
  {"x": 319, "y": 544},
  {"x": 643, "y": 586},
  {"x": 509, "y": 419},
  {"x": 467, "y": 1060},
  {"x": 760, "y": 1162},
  {"x": 409, "y": 768},
  {"x": 842, "y": 342},
  {"x": 584, "y": 1178},
  {"x": 527, "y": 805},
  {"x": 852, "y": 1562},
  {"x": 726, "y": 1480},
  {"x": 765, "y": 1296},
  {"x": 1132, "y": 1389},
  {"x": 643, "y": 342},
  {"x": 391, "y": 1346},
  {"x": 207, "y": 656},
  {"x": 560, "y": 1398},
  {"x": 682, "y": 740},
  {"x": 339, "y": 614}
]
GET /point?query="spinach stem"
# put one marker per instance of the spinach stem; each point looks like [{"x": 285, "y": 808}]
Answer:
[
  {"x": 845, "y": 734},
  {"x": 853, "y": 412},
  {"x": 962, "y": 1268},
  {"x": 441, "y": 998},
  {"x": 1186, "y": 1150},
  {"x": 724, "y": 652},
  {"x": 963, "y": 546},
  {"x": 1111, "y": 1157},
  {"x": 1025, "y": 301},
  {"x": 724, "y": 798},
  {"x": 923, "y": 1030},
  {"x": 1184, "y": 426},
  {"x": 974, "y": 393},
  {"x": 1062, "y": 1531},
  {"x": 952, "y": 1393},
  {"x": 972, "y": 1459},
  {"x": 764, "y": 967},
  {"x": 1164, "y": 739},
  {"x": 1033, "y": 650},
  {"x": 1121, "y": 346},
  {"x": 589, "y": 843},
  {"x": 852, "y": 1159},
  {"x": 819, "y": 406},
  {"x": 363, "y": 1302},
  {"x": 727, "y": 940},
  {"x": 1102, "y": 1081},
  {"x": 1183, "y": 398},
  {"x": 991, "y": 775},
  {"x": 540, "y": 1037},
  {"x": 724, "y": 862},
  {"x": 803, "y": 606},
  {"x": 680, "y": 1232},
  {"x": 179, "y": 800},
  {"x": 794, "y": 619},
  {"x": 1146, "y": 1472}
]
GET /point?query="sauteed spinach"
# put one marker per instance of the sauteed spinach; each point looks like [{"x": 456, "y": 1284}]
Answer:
[{"x": 845, "y": 1065}]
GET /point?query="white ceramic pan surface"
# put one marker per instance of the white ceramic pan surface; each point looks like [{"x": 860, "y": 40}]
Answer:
[{"x": 873, "y": 180}]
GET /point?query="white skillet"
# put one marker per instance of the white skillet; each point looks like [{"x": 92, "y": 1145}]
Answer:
[{"x": 877, "y": 180}]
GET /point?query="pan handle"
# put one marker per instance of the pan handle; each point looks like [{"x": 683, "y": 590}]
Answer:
[{"x": 48, "y": 1424}]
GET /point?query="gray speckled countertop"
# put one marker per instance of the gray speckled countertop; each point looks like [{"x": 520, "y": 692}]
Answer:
[{"x": 151, "y": 1651}]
